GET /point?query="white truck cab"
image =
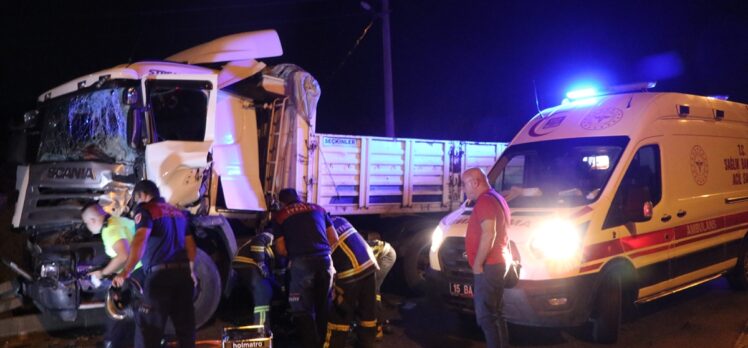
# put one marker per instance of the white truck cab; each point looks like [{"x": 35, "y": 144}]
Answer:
[{"x": 616, "y": 199}]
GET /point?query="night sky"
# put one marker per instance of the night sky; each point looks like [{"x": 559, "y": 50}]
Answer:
[{"x": 462, "y": 69}]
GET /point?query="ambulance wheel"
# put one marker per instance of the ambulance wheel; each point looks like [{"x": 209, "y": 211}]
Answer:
[
  {"x": 606, "y": 316},
  {"x": 416, "y": 261},
  {"x": 207, "y": 293},
  {"x": 738, "y": 277}
]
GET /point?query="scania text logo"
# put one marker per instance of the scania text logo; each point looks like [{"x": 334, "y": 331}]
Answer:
[{"x": 70, "y": 173}]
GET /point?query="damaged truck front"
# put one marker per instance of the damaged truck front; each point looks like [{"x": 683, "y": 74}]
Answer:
[
  {"x": 189, "y": 123},
  {"x": 82, "y": 153}
]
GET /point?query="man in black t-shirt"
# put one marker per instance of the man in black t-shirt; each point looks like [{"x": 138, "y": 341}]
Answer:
[
  {"x": 304, "y": 233},
  {"x": 166, "y": 249}
]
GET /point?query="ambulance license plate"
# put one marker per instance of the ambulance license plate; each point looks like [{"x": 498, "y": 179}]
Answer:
[{"x": 461, "y": 290}]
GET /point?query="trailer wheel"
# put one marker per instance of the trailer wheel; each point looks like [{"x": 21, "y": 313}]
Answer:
[
  {"x": 606, "y": 316},
  {"x": 416, "y": 261},
  {"x": 207, "y": 292},
  {"x": 738, "y": 277}
]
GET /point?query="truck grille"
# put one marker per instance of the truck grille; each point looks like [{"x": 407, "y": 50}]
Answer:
[
  {"x": 51, "y": 194},
  {"x": 453, "y": 259}
]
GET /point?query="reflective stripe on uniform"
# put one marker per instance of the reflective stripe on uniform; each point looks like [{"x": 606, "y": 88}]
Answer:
[
  {"x": 334, "y": 327},
  {"x": 262, "y": 311},
  {"x": 368, "y": 323},
  {"x": 354, "y": 271},
  {"x": 342, "y": 237},
  {"x": 244, "y": 259}
]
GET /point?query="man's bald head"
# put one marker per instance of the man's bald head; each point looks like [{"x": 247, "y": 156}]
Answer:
[
  {"x": 474, "y": 183},
  {"x": 93, "y": 216}
]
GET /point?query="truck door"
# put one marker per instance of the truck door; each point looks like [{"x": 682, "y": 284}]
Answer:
[
  {"x": 646, "y": 243},
  {"x": 180, "y": 127}
]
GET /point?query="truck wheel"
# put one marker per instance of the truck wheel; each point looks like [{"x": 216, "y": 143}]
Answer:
[
  {"x": 606, "y": 315},
  {"x": 416, "y": 261},
  {"x": 207, "y": 292},
  {"x": 738, "y": 277}
]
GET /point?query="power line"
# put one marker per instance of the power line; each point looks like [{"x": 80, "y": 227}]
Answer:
[{"x": 350, "y": 52}]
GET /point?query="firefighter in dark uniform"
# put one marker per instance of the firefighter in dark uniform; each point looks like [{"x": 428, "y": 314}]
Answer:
[
  {"x": 304, "y": 234},
  {"x": 355, "y": 287},
  {"x": 386, "y": 256},
  {"x": 167, "y": 251},
  {"x": 254, "y": 263}
]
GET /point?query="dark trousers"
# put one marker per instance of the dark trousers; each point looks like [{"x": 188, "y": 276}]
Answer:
[
  {"x": 488, "y": 290},
  {"x": 121, "y": 333},
  {"x": 168, "y": 294},
  {"x": 353, "y": 299},
  {"x": 309, "y": 296},
  {"x": 262, "y": 293}
]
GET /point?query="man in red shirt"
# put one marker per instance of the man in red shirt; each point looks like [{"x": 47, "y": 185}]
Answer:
[{"x": 485, "y": 242}]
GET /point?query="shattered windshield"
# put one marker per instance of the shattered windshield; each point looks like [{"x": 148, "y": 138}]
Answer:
[
  {"x": 567, "y": 172},
  {"x": 86, "y": 126}
]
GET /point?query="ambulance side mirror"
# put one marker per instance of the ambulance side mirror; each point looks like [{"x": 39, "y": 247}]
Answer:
[{"x": 638, "y": 205}]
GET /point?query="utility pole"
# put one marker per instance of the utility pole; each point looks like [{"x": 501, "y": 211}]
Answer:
[{"x": 389, "y": 108}]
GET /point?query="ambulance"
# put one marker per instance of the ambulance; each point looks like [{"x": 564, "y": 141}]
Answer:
[{"x": 617, "y": 198}]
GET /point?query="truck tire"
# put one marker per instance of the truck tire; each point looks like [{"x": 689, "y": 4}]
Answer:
[
  {"x": 606, "y": 315},
  {"x": 415, "y": 255},
  {"x": 207, "y": 292},
  {"x": 738, "y": 277}
]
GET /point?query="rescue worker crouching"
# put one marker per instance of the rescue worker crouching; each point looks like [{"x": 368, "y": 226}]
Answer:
[
  {"x": 116, "y": 235},
  {"x": 254, "y": 265},
  {"x": 304, "y": 233},
  {"x": 355, "y": 287},
  {"x": 167, "y": 250},
  {"x": 386, "y": 256}
]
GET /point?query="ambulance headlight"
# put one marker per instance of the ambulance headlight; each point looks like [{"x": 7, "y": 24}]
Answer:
[
  {"x": 556, "y": 240},
  {"x": 437, "y": 237}
]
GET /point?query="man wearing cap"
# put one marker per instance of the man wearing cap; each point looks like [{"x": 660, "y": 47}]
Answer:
[
  {"x": 167, "y": 251},
  {"x": 304, "y": 233}
]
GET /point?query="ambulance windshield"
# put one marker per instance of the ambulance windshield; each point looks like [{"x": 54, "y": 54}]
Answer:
[{"x": 567, "y": 172}]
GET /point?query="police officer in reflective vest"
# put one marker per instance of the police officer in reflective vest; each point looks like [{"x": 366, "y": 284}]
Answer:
[
  {"x": 116, "y": 233},
  {"x": 305, "y": 234},
  {"x": 254, "y": 263},
  {"x": 355, "y": 287},
  {"x": 167, "y": 250},
  {"x": 386, "y": 256}
]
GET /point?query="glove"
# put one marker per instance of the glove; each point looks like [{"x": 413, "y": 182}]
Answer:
[{"x": 95, "y": 280}]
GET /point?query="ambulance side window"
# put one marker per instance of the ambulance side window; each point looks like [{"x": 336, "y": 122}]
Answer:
[
  {"x": 513, "y": 174},
  {"x": 643, "y": 172}
]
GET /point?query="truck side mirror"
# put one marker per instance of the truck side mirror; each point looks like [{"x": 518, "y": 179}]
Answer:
[
  {"x": 638, "y": 205},
  {"x": 22, "y": 132}
]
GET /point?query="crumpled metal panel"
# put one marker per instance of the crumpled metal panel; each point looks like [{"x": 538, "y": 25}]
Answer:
[{"x": 89, "y": 126}]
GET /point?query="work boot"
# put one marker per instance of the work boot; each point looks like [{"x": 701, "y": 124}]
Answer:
[{"x": 380, "y": 333}]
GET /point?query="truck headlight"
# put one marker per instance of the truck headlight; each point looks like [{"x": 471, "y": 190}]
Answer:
[
  {"x": 556, "y": 240},
  {"x": 437, "y": 237},
  {"x": 50, "y": 270}
]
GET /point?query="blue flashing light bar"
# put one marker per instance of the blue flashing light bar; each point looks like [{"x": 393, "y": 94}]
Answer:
[
  {"x": 590, "y": 92},
  {"x": 582, "y": 93}
]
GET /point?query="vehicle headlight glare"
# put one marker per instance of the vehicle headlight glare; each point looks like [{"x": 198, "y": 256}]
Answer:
[
  {"x": 49, "y": 270},
  {"x": 437, "y": 237},
  {"x": 556, "y": 240}
]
